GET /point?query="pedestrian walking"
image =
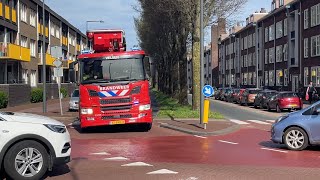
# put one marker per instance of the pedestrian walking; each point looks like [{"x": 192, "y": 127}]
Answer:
[{"x": 311, "y": 90}]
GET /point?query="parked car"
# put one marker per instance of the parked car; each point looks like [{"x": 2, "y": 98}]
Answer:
[
  {"x": 285, "y": 100},
  {"x": 238, "y": 96},
  {"x": 249, "y": 95},
  {"x": 225, "y": 93},
  {"x": 232, "y": 94},
  {"x": 74, "y": 101},
  {"x": 260, "y": 99},
  {"x": 217, "y": 94},
  {"x": 229, "y": 95},
  {"x": 298, "y": 130},
  {"x": 31, "y": 145}
]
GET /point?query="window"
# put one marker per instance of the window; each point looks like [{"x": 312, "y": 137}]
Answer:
[
  {"x": 271, "y": 78},
  {"x": 24, "y": 76},
  {"x": 23, "y": 12},
  {"x": 315, "y": 75},
  {"x": 315, "y": 15},
  {"x": 254, "y": 78},
  {"x": 249, "y": 59},
  {"x": 306, "y": 19},
  {"x": 271, "y": 32},
  {"x": 254, "y": 59},
  {"x": 245, "y": 78},
  {"x": 33, "y": 47},
  {"x": 33, "y": 80},
  {"x": 315, "y": 46},
  {"x": 266, "y": 78},
  {"x": 306, "y": 50},
  {"x": 285, "y": 52},
  {"x": 245, "y": 45},
  {"x": 279, "y": 53},
  {"x": 281, "y": 3},
  {"x": 57, "y": 32},
  {"x": 241, "y": 61},
  {"x": 24, "y": 41},
  {"x": 279, "y": 78},
  {"x": 253, "y": 39},
  {"x": 245, "y": 60},
  {"x": 250, "y": 78},
  {"x": 285, "y": 77},
  {"x": 33, "y": 19},
  {"x": 52, "y": 27},
  {"x": 285, "y": 27},
  {"x": 266, "y": 34},
  {"x": 279, "y": 31},
  {"x": 266, "y": 56},
  {"x": 271, "y": 55},
  {"x": 250, "y": 41},
  {"x": 306, "y": 76}
]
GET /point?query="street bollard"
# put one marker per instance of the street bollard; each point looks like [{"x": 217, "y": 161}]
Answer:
[{"x": 206, "y": 112}]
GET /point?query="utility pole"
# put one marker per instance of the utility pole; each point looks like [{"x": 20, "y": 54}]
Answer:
[
  {"x": 201, "y": 61},
  {"x": 44, "y": 63}
]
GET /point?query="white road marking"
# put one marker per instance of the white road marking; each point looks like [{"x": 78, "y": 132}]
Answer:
[
  {"x": 227, "y": 142},
  {"x": 100, "y": 153},
  {"x": 272, "y": 121},
  {"x": 162, "y": 171},
  {"x": 276, "y": 150},
  {"x": 238, "y": 121},
  {"x": 137, "y": 164},
  {"x": 258, "y": 122},
  {"x": 116, "y": 159},
  {"x": 200, "y": 136}
]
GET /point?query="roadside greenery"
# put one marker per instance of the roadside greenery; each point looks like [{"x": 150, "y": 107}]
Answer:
[
  {"x": 3, "y": 100},
  {"x": 64, "y": 92},
  {"x": 36, "y": 95},
  {"x": 170, "y": 108}
]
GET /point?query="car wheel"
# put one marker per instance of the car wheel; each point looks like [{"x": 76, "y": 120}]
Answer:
[
  {"x": 246, "y": 103},
  {"x": 296, "y": 139},
  {"x": 26, "y": 160},
  {"x": 268, "y": 107},
  {"x": 278, "y": 109},
  {"x": 255, "y": 105},
  {"x": 261, "y": 106}
]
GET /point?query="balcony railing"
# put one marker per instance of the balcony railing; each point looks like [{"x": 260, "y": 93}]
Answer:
[
  {"x": 1, "y": 9},
  {"x": 15, "y": 52},
  {"x": 14, "y": 16},
  {"x": 49, "y": 59},
  {"x": 7, "y": 12}
]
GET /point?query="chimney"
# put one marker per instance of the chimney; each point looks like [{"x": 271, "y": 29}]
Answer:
[{"x": 263, "y": 10}]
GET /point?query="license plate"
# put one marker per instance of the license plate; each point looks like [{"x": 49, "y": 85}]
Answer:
[
  {"x": 293, "y": 105},
  {"x": 118, "y": 122}
]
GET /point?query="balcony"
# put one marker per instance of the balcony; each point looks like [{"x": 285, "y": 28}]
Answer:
[
  {"x": 78, "y": 47},
  {"x": 49, "y": 59},
  {"x": 1, "y": 9},
  {"x": 40, "y": 30},
  {"x": 65, "y": 64},
  {"x": 7, "y": 12},
  {"x": 14, "y": 52},
  {"x": 14, "y": 15},
  {"x": 64, "y": 41}
]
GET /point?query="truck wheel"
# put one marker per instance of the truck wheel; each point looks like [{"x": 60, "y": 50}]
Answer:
[
  {"x": 26, "y": 160},
  {"x": 146, "y": 127}
]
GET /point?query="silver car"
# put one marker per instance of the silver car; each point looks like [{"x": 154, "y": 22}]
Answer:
[{"x": 74, "y": 101}]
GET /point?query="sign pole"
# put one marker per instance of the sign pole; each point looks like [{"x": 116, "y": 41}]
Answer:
[
  {"x": 207, "y": 91},
  {"x": 60, "y": 95},
  {"x": 58, "y": 74}
]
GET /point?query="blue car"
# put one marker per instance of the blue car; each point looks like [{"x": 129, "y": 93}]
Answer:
[{"x": 299, "y": 129}]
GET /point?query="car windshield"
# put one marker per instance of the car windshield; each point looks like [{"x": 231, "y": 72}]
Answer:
[
  {"x": 75, "y": 93},
  {"x": 104, "y": 71},
  {"x": 289, "y": 95}
]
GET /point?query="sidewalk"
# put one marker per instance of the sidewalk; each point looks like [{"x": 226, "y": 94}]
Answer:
[{"x": 193, "y": 127}]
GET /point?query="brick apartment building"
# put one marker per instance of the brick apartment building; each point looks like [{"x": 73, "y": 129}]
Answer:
[
  {"x": 21, "y": 47},
  {"x": 276, "y": 50}
]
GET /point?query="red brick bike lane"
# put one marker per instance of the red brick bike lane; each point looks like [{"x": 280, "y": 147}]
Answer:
[{"x": 250, "y": 147}]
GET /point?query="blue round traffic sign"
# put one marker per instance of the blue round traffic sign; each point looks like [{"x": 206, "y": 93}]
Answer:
[{"x": 207, "y": 90}]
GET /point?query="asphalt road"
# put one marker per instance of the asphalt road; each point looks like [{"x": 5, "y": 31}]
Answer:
[{"x": 235, "y": 111}]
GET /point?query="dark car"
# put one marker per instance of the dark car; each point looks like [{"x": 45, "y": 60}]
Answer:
[
  {"x": 224, "y": 93},
  {"x": 249, "y": 95},
  {"x": 232, "y": 94},
  {"x": 217, "y": 93},
  {"x": 285, "y": 100},
  {"x": 261, "y": 97}
]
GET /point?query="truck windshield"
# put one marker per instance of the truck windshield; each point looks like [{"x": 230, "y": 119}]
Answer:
[{"x": 104, "y": 71}]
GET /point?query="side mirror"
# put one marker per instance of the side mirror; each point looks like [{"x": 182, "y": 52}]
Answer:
[{"x": 318, "y": 110}]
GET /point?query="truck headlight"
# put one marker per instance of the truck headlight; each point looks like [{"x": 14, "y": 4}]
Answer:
[
  {"x": 87, "y": 111},
  {"x": 144, "y": 107},
  {"x": 56, "y": 128}
]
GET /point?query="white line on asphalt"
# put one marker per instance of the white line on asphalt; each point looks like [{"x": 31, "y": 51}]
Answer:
[
  {"x": 258, "y": 122},
  {"x": 100, "y": 153},
  {"x": 116, "y": 159},
  {"x": 137, "y": 164},
  {"x": 228, "y": 142},
  {"x": 162, "y": 171},
  {"x": 200, "y": 136},
  {"x": 272, "y": 121},
  {"x": 269, "y": 149},
  {"x": 238, "y": 121}
]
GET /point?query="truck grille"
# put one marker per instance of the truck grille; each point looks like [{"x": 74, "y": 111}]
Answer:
[
  {"x": 115, "y": 101},
  {"x": 115, "y": 108},
  {"x": 116, "y": 116}
]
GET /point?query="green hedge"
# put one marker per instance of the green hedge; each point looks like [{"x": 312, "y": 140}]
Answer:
[
  {"x": 36, "y": 95},
  {"x": 64, "y": 92},
  {"x": 3, "y": 100}
]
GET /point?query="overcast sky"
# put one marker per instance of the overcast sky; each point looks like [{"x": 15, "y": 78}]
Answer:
[{"x": 119, "y": 14}]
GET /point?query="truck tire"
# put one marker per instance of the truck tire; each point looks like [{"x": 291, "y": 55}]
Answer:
[
  {"x": 17, "y": 158},
  {"x": 146, "y": 127}
]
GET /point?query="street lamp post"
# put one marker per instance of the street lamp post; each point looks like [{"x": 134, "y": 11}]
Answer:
[{"x": 44, "y": 63}]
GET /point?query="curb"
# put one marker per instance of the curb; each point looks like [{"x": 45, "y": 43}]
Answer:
[{"x": 230, "y": 129}]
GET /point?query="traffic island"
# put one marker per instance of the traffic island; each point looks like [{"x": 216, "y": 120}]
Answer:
[{"x": 193, "y": 127}]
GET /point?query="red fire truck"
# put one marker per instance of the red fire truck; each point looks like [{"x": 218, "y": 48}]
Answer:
[{"x": 113, "y": 85}]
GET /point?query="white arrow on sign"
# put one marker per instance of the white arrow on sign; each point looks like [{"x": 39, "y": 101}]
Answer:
[{"x": 207, "y": 90}]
